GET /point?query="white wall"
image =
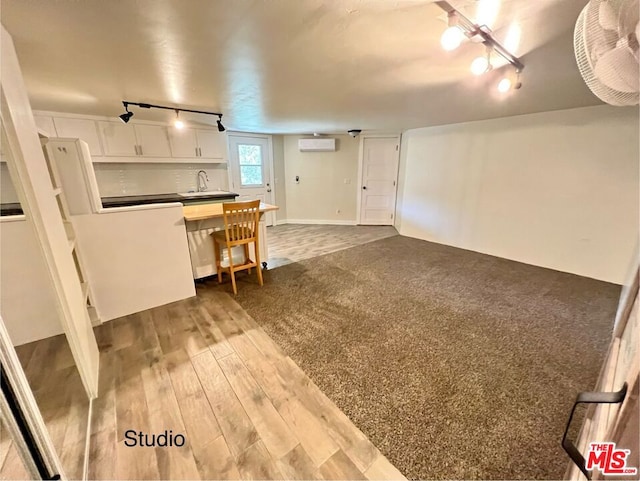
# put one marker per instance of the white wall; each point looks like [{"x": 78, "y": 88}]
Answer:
[
  {"x": 555, "y": 189},
  {"x": 147, "y": 178},
  {"x": 279, "y": 177},
  {"x": 136, "y": 258},
  {"x": 27, "y": 298},
  {"x": 322, "y": 190}
]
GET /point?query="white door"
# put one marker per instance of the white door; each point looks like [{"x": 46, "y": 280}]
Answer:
[
  {"x": 251, "y": 166},
  {"x": 379, "y": 180}
]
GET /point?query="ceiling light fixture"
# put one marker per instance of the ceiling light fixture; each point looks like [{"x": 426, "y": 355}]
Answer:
[
  {"x": 507, "y": 83},
  {"x": 220, "y": 126},
  {"x": 178, "y": 123},
  {"x": 127, "y": 115},
  {"x": 450, "y": 40},
  {"x": 504, "y": 85},
  {"x": 452, "y": 37},
  {"x": 482, "y": 65}
]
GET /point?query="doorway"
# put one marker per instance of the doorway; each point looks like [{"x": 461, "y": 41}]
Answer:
[
  {"x": 251, "y": 169},
  {"x": 378, "y": 179}
]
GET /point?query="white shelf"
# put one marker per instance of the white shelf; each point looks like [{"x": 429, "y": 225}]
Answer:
[{"x": 156, "y": 160}]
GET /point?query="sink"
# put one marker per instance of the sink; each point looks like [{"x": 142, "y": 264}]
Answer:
[{"x": 200, "y": 194}]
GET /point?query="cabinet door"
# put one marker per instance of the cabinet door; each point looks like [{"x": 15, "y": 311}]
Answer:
[
  {"x": 118, "y": 139},
  {"x": 183, "y": 142},
  {"x": 82, "y": 129},
  {"x": 153, "y": 140},
  {"x": 46, "y": 124},
  {"x": 212, "y": 144}
]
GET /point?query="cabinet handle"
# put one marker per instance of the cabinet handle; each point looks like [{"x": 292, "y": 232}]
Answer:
[
  {"x": 196, "y": 149},
  {"x": 140, "y": 147},
  {"x": 200, "y": 151},
  {"x": 588, "y": 398}
]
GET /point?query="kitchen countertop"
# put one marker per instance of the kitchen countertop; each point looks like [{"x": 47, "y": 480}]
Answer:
[
  {"x": 212, "y": 211},
  {"x": 129, "y": 200},
  {"x": 123, "y": 201},
  {"x": 13, "y": 208}
]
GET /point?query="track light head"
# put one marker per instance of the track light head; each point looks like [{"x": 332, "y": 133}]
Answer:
[
  {"x": 177, "y": 123},
  {"x": 220, "y": 126},
  {"x": 126, "y": 116}
]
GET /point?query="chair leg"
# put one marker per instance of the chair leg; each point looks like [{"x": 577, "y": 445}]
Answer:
[
  {"x": 231, "y": 271},
  {"x": 216, "y": 252},
  {"x": 246, "y": 256},
  {"x": 258, "y": 266}
]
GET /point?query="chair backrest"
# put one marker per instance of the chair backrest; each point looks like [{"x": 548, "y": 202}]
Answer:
[{"x": 241, "y": 221}]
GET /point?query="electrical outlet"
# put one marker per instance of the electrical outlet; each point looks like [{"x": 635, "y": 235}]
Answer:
[{"x": 347, "y": 181}]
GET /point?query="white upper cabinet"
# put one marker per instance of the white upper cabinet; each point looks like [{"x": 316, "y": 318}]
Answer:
[
  {"x": 138, "y": 140},
  {"x": 212, "y": 144},
  {"x": 119, "y": 139},
  {"x": 82, "y": 129},
  {"x": 183, "y": 142},
  {"x": 114, "y": 141},
  {"x": 198, "y": 143},
  {"x": 45, "y": 124},
  {"x": 153, "y": 140}
]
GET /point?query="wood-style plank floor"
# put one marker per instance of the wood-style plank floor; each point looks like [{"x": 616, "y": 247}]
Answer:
[
  {"x": 290, "y": 243},
  {"x": 204, "y": 369},
  {"x": 11, "y": 466},
  {"x": 49, "y": 367}
]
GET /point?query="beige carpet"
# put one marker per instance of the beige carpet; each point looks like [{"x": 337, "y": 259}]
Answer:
[{"x": 455, "y": 364}]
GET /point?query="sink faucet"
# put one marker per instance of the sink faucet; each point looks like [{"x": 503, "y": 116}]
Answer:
[{"x": 202, "y": 181}]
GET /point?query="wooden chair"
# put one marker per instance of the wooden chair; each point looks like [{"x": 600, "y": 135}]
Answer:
[{"x": 240, "y": 229}]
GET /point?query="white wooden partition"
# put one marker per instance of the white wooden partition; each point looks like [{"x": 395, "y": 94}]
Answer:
[{"x": 30, "y": 174}]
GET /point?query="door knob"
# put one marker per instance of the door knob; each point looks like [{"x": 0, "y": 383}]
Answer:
[{"x": 364, "y": 187}]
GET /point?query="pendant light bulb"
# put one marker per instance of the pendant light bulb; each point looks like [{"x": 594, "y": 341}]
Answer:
[
  {"x": 451, "y": 38},
  {"x": 504, "y": 85},
  {"x": 480, "y": 65},
  {"x": 178, "y": 124}
]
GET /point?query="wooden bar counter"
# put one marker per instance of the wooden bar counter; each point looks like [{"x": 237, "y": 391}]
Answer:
[{"x": 203, "y": 219}]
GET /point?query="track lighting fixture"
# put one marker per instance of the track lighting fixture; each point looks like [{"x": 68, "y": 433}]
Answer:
[
  {"x": 459, "y": 27},
  {"x": 178, "y": 123},
  {"x": 504, "y": 85},
  {"x": 482, "y": 65},
  {"x": 127, "y": 115},
  {"x": 507, "y": 83},
  {"x": 220, "y": 126}
]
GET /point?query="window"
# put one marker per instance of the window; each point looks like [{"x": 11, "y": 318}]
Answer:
[{"x": 250, "y": 161}]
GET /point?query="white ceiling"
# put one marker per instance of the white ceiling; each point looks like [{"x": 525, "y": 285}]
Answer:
[{"x": 288, "y": 66}]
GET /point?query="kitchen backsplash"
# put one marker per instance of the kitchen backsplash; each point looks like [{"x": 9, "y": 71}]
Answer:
[{"x": 131, "y": 179}]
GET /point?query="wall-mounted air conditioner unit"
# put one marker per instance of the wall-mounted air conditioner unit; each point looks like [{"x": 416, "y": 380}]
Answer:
[{"x": 317, "y": 145}]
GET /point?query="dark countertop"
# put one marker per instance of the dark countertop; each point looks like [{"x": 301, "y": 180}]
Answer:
[
  {"x": 11, "y": 209},
  {"x": 129, "y": 200}
]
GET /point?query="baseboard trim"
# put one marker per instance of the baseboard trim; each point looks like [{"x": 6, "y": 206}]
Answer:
[{"x": 316, "y": 221}]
